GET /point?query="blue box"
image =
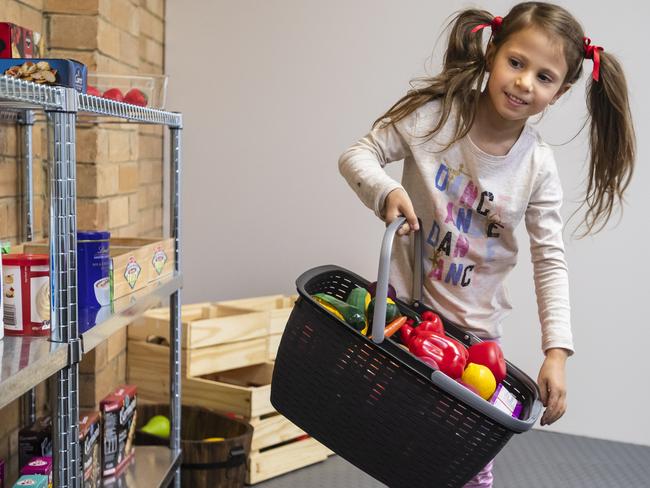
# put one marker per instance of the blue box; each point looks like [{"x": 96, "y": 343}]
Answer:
[{"x": 69, "y": 73}]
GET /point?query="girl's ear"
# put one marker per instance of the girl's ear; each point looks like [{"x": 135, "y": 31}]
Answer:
[
  {"x": 560, "y": 92},
  {"x": 490, "y": 53}
]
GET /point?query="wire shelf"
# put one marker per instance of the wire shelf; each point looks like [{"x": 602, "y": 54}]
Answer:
[
  {"x": 26, "y": 92},
  {"x": 103, "y": 106},
  {"x": 17, "y": 94}
]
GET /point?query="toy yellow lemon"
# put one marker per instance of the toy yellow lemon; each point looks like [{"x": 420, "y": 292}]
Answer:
[{"x": 481, "y": 378}]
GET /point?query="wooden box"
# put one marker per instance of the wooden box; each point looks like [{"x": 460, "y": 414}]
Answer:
[
  {"x": 277, "y": 307},
  {"x": 244, "y": 391},
  {"x": 203, "y": 325},
  {"x": 138, "y": 262}
]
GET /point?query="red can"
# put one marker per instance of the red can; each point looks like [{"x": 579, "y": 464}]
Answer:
[{"x": 26, "y": 288}]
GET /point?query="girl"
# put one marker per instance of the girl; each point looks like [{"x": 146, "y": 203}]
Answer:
[{"x": 474, "y": 168}]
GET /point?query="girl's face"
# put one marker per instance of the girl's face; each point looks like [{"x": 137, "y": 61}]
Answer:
[{"x": 526, "y": 74}]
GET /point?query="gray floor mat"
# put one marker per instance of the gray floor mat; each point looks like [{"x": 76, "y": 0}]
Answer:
[{"x": 532, "y": 460}]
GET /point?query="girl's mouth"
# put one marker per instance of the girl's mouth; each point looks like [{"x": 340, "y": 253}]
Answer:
[{"x": 515, "y": 100}]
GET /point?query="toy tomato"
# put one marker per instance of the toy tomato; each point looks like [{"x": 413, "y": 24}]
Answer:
[{"x": 489, "y": 354}]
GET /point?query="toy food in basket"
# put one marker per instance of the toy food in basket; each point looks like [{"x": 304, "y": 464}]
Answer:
[
  {"x": 480, "y": 367},
  {"x": 414, "y": 426}
]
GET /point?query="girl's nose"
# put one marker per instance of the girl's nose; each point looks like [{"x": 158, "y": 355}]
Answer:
[{"x": 523, "y": 83}]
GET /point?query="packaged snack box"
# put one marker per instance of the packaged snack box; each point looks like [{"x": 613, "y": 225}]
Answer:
[
  {"x": 35, "y": 440},
  {"x": 46, "y": 71},
  {"x": 118, "y": 414},
  {"x": 19, "y": 42},
  {"x": 90, "y": 449},
  {"x": 39, "y": 465}
]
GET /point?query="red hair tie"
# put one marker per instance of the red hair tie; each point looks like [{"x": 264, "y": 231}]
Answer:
[
  {"x": 593, "y": 52},
  {"x": 495, "y": 25}
]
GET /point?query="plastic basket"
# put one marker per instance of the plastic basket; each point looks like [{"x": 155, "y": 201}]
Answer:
[{"x": 375, "y": 404}]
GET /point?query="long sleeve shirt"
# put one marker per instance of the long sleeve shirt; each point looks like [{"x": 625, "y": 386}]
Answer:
[{"x": 470, "y": 204}]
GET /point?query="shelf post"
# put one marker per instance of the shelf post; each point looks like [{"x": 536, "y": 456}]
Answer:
[
  {"x": 26, "y": 123},
  {"x": 63, "y": 291},
  {"x": 175, "y": 301}
]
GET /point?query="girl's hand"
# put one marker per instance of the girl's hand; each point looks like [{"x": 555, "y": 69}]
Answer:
[
  {"x": 398, "y": 203},
  {"x": 552, "y": 385}
]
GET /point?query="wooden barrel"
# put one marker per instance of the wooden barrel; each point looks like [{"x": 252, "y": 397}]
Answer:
[{"x": 205, "y": 463}]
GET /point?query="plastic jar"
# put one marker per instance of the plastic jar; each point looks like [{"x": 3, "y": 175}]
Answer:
[
  {"x": 26, "y": 294},
  {"x": 93, "y": 267}
]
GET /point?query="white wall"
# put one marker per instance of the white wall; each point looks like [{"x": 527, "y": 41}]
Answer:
[{"x": 273, "y": 91}]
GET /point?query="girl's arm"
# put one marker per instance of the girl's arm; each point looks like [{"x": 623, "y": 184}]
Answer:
[
  {"x": 544, "y": 226},
  {"x": 362, "y": 165}
]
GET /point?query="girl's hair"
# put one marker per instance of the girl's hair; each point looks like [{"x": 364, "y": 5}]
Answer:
[{"x": 612, "y": 138}]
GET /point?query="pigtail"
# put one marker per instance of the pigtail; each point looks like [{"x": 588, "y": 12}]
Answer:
[
  {"x": 459, "y": 82},
  {"x": 612, "y": 143}
]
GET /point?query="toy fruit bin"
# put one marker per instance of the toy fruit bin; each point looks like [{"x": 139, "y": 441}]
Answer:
[
  {"x": 207, "y": 460},
  {"x": 376, "y": 405},
  {"x": 153, "y": 87}
]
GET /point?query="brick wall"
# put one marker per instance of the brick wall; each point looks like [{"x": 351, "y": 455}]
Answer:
[{"x": 119, "y": 166}]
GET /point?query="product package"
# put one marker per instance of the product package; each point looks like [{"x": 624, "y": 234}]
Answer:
[
  {"x": 93, "y": 278},
  {"x": 35, "y": 440},
  {"x": 118, "y": 415},
  {"x": 39, "y": 465},
  {"x": 506, "y": 401},
  {"x": 61, "y": 72},
  {"x": 19, "y": 42},
  {"x": 26, "y": 287},
  {"x": 89, "y": 447},
  {"x": 94, "y": 262},
  {"x": 32, "y": 480}
]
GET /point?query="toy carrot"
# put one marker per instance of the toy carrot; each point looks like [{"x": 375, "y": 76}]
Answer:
[{"x": 394, "y": 326}]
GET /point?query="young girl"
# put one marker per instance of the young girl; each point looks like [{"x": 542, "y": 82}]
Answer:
[{"x": 474, "y": 168}]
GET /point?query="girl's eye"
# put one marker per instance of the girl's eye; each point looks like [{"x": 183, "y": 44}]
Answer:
[
  {"x": 545, "y": 78},
  {"x": 514, "y": 63}
]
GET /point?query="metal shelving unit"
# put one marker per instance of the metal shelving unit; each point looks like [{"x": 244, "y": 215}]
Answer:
[{"x": 26, "y": 361}]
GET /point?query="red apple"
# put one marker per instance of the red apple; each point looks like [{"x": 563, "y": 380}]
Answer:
[
  {"x": 91, "y": 90},
  {"x": 114, "y": 94},
  {"x": 136, "y": 97}
]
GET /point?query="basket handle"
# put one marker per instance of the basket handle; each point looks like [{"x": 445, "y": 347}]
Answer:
[{"x": 381, "y": 292}]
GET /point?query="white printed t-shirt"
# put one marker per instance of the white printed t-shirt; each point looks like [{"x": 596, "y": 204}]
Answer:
[{"x": 470, "y": 203}]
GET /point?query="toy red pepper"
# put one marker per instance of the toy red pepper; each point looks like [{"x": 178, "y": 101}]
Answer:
[
  {"x": 433, "y": 321},
  {"x": 449, "y": 354}
]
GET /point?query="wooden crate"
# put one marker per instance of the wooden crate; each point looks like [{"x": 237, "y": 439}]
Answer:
[
  {"x": 244, "y": 391},
  {"x": 137, "y": 262},
  {"x": 278, "y": 308},
  {"x": 203, "y": 325},
  {"x": 284, "y": 458}
]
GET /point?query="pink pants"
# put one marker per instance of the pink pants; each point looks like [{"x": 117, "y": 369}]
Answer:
[{"x": 483, "y": 479}]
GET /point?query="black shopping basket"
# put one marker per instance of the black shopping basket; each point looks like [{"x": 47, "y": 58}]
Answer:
[{"x": 375, "y": 404}]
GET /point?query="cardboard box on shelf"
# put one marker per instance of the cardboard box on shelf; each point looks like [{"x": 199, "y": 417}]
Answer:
[
  {"x": 119, "y": 414},
  {"x": 35, "y": 440},
  {"x": 19, "y": 42},
  {"x": 90, "y": 449},
  {"x": 48, "y": 71}
]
